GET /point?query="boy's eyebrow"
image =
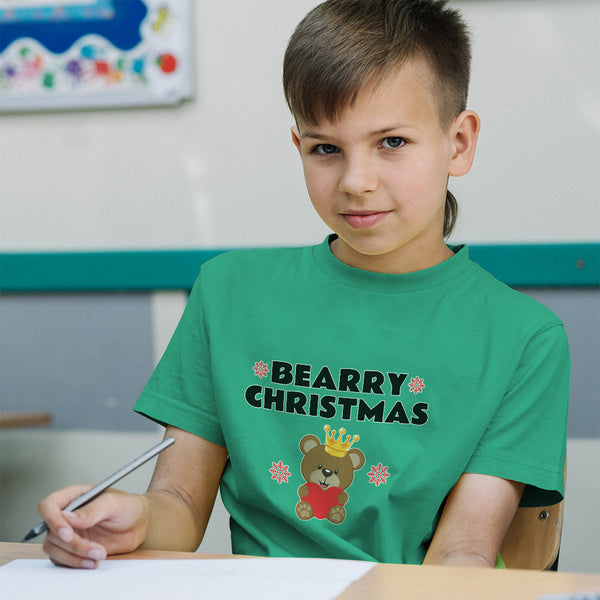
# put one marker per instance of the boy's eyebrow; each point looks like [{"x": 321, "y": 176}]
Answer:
[{"x": 317, "y": 135}]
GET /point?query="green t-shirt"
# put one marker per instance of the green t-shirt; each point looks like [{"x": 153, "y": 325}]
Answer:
[{"x": 439, "y": 372}]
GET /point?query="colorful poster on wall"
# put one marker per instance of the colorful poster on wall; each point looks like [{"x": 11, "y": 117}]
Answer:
[{"x": 65, "y": 54}]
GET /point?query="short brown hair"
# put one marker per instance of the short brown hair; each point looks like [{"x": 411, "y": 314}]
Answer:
[{"x": 341, "y": 45}]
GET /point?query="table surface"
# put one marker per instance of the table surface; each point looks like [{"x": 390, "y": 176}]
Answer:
[
  {"x": 24, "y": 419},
  {"x": 413, "y": 582}
]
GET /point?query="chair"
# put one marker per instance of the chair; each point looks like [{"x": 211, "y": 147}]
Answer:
[{"x": 533, "y": 538}]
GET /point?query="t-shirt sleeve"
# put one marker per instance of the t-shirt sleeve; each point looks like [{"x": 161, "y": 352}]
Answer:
[
  {"x": 179, "y": 391},
  {"x": 526, "y": 439}
]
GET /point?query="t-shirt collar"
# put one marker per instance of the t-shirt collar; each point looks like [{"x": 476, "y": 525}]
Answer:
[{"x": 453, "y": 267}]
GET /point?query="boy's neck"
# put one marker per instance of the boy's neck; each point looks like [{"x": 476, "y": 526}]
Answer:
[{"x": 403, "y": 260}]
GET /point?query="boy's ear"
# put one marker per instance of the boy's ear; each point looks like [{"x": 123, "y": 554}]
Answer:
[
  {"x": 296, "y": 138},
  {"x": 464, "y": 131}
]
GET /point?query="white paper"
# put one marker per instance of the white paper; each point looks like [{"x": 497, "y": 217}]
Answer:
[{"x": 222, "y": 579}]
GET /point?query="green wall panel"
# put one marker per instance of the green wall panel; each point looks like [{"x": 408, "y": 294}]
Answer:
[{"x": 532, "y": 265}]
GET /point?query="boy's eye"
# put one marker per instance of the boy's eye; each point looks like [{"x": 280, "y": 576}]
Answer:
[
  {"x": 393, "y": 142},
  {"x": 325, "y": 149}
]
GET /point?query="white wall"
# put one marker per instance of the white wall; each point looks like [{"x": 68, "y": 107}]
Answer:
[
  {"x": 536, "y": 86},
  {"x": 220, "y": 171}
]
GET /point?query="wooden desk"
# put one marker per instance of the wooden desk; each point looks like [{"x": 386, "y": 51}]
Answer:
[
  {"x": 24, "y": 419},
  {"x": 409, "y": 582}
]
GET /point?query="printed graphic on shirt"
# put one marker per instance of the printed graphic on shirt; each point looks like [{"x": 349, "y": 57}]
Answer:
[
  {"x": 350, "y": 394},
  {"x": 280, "y": 472},
  {"x": 378, "y": 474},
  {"x": 416, "y": 385},
  {"x": 328, "y": 470}
]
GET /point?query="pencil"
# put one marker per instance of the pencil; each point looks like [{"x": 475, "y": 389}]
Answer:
[{"x": 103, "y": 485}]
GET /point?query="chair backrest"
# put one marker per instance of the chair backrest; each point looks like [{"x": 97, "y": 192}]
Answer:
[{"x": 533, "y": 538}]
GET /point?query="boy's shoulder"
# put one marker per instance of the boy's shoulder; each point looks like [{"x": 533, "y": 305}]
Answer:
[
  {"x": 248, "y": 264},
  {"x": 256, "y": 258},
  {"x": 515, "y": 304}
]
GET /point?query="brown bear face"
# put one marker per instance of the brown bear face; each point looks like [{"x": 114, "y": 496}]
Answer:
[{"x": 326, "y": 470}]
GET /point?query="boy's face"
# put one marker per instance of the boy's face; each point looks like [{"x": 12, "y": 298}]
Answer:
[{"x": 377, "y": 175}]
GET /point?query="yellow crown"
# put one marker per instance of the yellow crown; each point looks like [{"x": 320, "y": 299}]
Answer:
[{"x": 338, "y": 447}]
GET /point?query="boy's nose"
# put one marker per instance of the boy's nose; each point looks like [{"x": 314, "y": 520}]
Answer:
[{"x": 358, "y": 178}]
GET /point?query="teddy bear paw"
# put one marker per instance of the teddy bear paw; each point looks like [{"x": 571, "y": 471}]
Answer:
[
  {"x": 337, "y": 514},
  {"x": 304, "y": 511}
]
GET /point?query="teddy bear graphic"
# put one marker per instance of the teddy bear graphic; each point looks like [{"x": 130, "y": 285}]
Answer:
[{"x": 328, "y": 470}]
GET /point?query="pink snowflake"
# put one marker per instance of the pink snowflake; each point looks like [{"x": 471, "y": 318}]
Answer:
[
  {"x": 280, "y": 472},
  {"x": 378, "y": 474},
  {"x": 416, "y": 385},
  {"x": 261, "y": 369}
]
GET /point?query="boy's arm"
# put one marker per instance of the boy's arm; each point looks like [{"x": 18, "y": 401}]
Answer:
[
  {"x": 182, "y": 492},
  {"x": 475, "y": 519},
  {"x": 172, "y": 515}
]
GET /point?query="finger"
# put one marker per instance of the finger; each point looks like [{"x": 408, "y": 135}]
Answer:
[
  {"x": 112, "y": 520},
  {"x": 78, "y": 553},
  {"x": 63, "y": 557},
  {"x": 70, "y": 545},
  {"x": 77, "y": 541},
  {"x": 51, "y": 507},
  {"x": 102, "y": 508}
]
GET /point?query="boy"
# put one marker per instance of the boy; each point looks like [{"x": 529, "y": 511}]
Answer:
[{"x": 452, "y": 388}]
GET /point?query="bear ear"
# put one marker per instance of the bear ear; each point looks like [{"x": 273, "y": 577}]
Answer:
[
  {"x": 308, "y": 442},
  {"x": 357, "y": 457}
]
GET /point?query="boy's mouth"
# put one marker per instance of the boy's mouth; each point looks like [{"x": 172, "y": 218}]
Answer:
[{"x": 364, "y": 220}]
